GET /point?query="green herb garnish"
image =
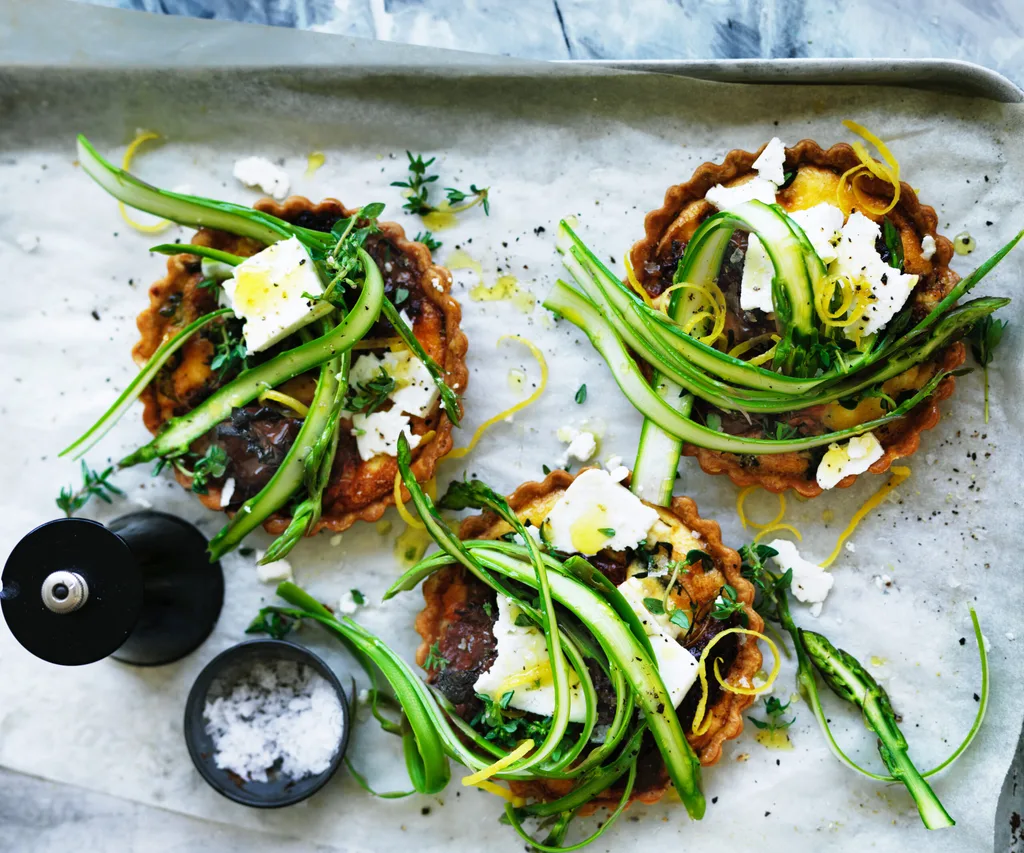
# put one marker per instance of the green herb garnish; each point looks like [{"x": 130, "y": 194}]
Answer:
[
  {"x": 774, "y": 709},
  {"x": 93, "y": 486},
  {"x": 581, "y": 394},
  {"x": 985, "y": 336},
  {"x": 727, "y": 604},
  {"x": 209, "y": 466},
  {"x": 417, "y": 185},
  {"x": 427, "y": 239},
  {"x": 369, "y": 396},
  {"x": 435, "y": 660},
  {"x": 655, "y": 606}
]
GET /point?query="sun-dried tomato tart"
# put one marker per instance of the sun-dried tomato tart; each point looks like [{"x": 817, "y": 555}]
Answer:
[
  {"x": 384, "y": 376},
  {"x": 793, "y": 315},
  {"x": 673, "y": 572}
]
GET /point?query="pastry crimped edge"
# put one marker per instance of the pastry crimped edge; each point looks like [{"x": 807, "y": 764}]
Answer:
[
  {"x": 425, "y": 457},
  {"x": 726, "y": 713},
  {"x": 899, "y": 439}
]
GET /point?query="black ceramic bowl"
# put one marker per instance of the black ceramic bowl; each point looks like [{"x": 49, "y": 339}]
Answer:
[{"x": 226, "y": 669}]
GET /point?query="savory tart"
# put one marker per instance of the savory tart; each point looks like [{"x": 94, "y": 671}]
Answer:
[
  {"x": 792, "y": 315},
  {"x": 257, "y": 436},
  {"x": 671, "y": 567},
  {"x": 287, "y": 351}
]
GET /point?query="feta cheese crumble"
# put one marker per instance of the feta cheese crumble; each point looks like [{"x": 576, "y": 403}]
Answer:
[
  {"x": 415, "y": 392},
  {"x": 758, "y": 272},
  {"x": 811, "y": 583},
  {"x": 347, "y": 604},
  {"x": 823, "y": 225},
  {"x": 858, "y": 260},
  {"x": 27, "y": 242},
  {"x": 770, "y": 163},
  {"x": 281, "y": 714},
  {"x": 582, "y": 445},
  {"x": 227, "y": 491},
  {"x": 266, "y": 291},
  {"x": 275, "y": 572},
  {"x": 377, "y": 434},
  {"x": 853, "y": 457},
  {"x": 769, "y": 167},
  {"x": 595, "y": 513},
  {"x": 928, "y": 247},
  {"x": 522, "y": 666},
  {"x": 259, "y": 172}
]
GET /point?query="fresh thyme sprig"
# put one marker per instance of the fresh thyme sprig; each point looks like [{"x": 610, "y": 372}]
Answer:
[
  {"x": 727, "y": 604},
  {"x": 367, "y": 397},
  {"x": 93, "y": 485},
  {"x": 774, "y": 709},
  {"x": 209, "y": 466},
  {"x": 435, "y": 660},
  {"x": 417, "y": 199},
  {"x": 427, "y": 239},
  {"x": 229, "y": 353},
  {"x": 985, "y": 336},
  {"x": 418, "y": 185}
]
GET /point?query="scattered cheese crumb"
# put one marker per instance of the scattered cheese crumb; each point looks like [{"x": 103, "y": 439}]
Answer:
[
  {"x": 279, "y": 570},
  {"x": 227, "y": 491},
  {"x": 335, "y": 540},
  {"x": 928, "y": 247},
  {"x": 260, "y": 172},
  {"x": 811, "y": 583},
  {"x": 851, "y": 547},
  {"x": 1011, "y": 636},
  {"x": 280, "y": 715},
  {"x": 853, "y": 457},
  {"x": 347, "y": 604},
  {"x": 884, "y": 583}
]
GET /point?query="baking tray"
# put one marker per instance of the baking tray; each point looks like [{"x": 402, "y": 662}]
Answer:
[{"x": 107, "y": 42}]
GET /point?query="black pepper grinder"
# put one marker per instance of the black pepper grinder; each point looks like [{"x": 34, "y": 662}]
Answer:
[{"x": 141, "y": 590}]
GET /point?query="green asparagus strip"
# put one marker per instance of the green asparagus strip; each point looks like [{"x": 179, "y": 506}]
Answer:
[
  {"x": 851, "y": 681},
  {"x": 108, "y": 419},
  {"x": 199, "y": 251}
]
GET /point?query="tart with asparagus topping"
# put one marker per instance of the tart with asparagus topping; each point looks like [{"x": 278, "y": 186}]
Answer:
[
  {"x": 284, "y": 407},
  {"x": 680, "y": 582},
  {"x": 793, "y": 313}
]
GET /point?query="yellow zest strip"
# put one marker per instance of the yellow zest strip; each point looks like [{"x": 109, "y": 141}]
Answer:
[
  {"x": 696, "y": 319},
  {"x": 741, "y": 499},
  {"x": 771, "y": 528},
  {"x": 126, "y": 163},
  {"x": 767, "y": 355},
  {"x": 394, "y": 344},
  {"x": 888, "y": 171},
  {"x": 698, "y": 717},
  {"x": 285, "y": 400},
  {"x": 749, "y": 344},
  {"x": 899, "y": 474},
  {"x": 754, "y": 691},
  {"x": 499, "y": 765},
  {"x": 504, "y": 793},
  {"x": 405, "y": 515},
  {"x": 522, "y": 404},
  {"x": 635, "y": 283}
]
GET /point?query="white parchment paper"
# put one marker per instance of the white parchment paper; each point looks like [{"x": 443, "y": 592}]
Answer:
[{"x": 601, "y": 147}]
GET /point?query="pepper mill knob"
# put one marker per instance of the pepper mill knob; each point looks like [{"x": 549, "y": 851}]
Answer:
[{"x": 141, "y": 590}]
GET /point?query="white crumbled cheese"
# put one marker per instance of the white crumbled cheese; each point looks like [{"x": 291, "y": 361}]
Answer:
[
  {"x": 260, "y": 172},
  {"x": 858, "y": 260},
  {"x": 884, "y": 583},
  {"x": 217, "y": 270},
  {"x": 928, "y": 247},
  {"x": 758, "y": 272},
  {"x": 853, "y": 457},
  {"x": 139, "y": 500},
  {"x": 850, "y": 547},
  {"x": 1011, "y": 636},
  {"x": 279, "y": 713},
  {"x": 582, "y": 445},
  {"x": 377, "y": 434},
  {"x": 335, "y": 540},
  {"x": 612, "y": 463},
  {"x": 770, "y": 163},
  {"x": 811, "y": 583},
  {"x": 227, "y": 491},
  {"x": 729, "y": 198},
  {"x": 987, "y": 643},
  {"x": 347, "y": 604},
  {"x": 677, "y": 666},
  {"x": 266, "y": 291},
  {"x": 596, "y": 513},
  {"x": 823, "y": 225},
  {"x": 619, "y": 474},
  {"x": 415, "y": 392},
  {"x": 275, "y": 572},
  {"x": 27, "y": 242},
  {"x": 522, "y": 653}
]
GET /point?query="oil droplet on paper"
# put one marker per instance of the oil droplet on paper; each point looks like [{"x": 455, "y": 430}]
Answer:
[
  {"x": 440, "y": 218},
  {"x": 963, "y": 243},
  {"x": 777, "y": 739},
  {"x": 410, "y": 545},
  {"x": 460, "y": 260},
  {"x": 315, "y": 160},
  {"x": 506, "y": 288},
  {"x": 516, "y": 379}
]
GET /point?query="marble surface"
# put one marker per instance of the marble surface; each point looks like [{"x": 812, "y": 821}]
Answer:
[
  {"x": 988, "y": 32},
  {"x": 38, "y": 816}
]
